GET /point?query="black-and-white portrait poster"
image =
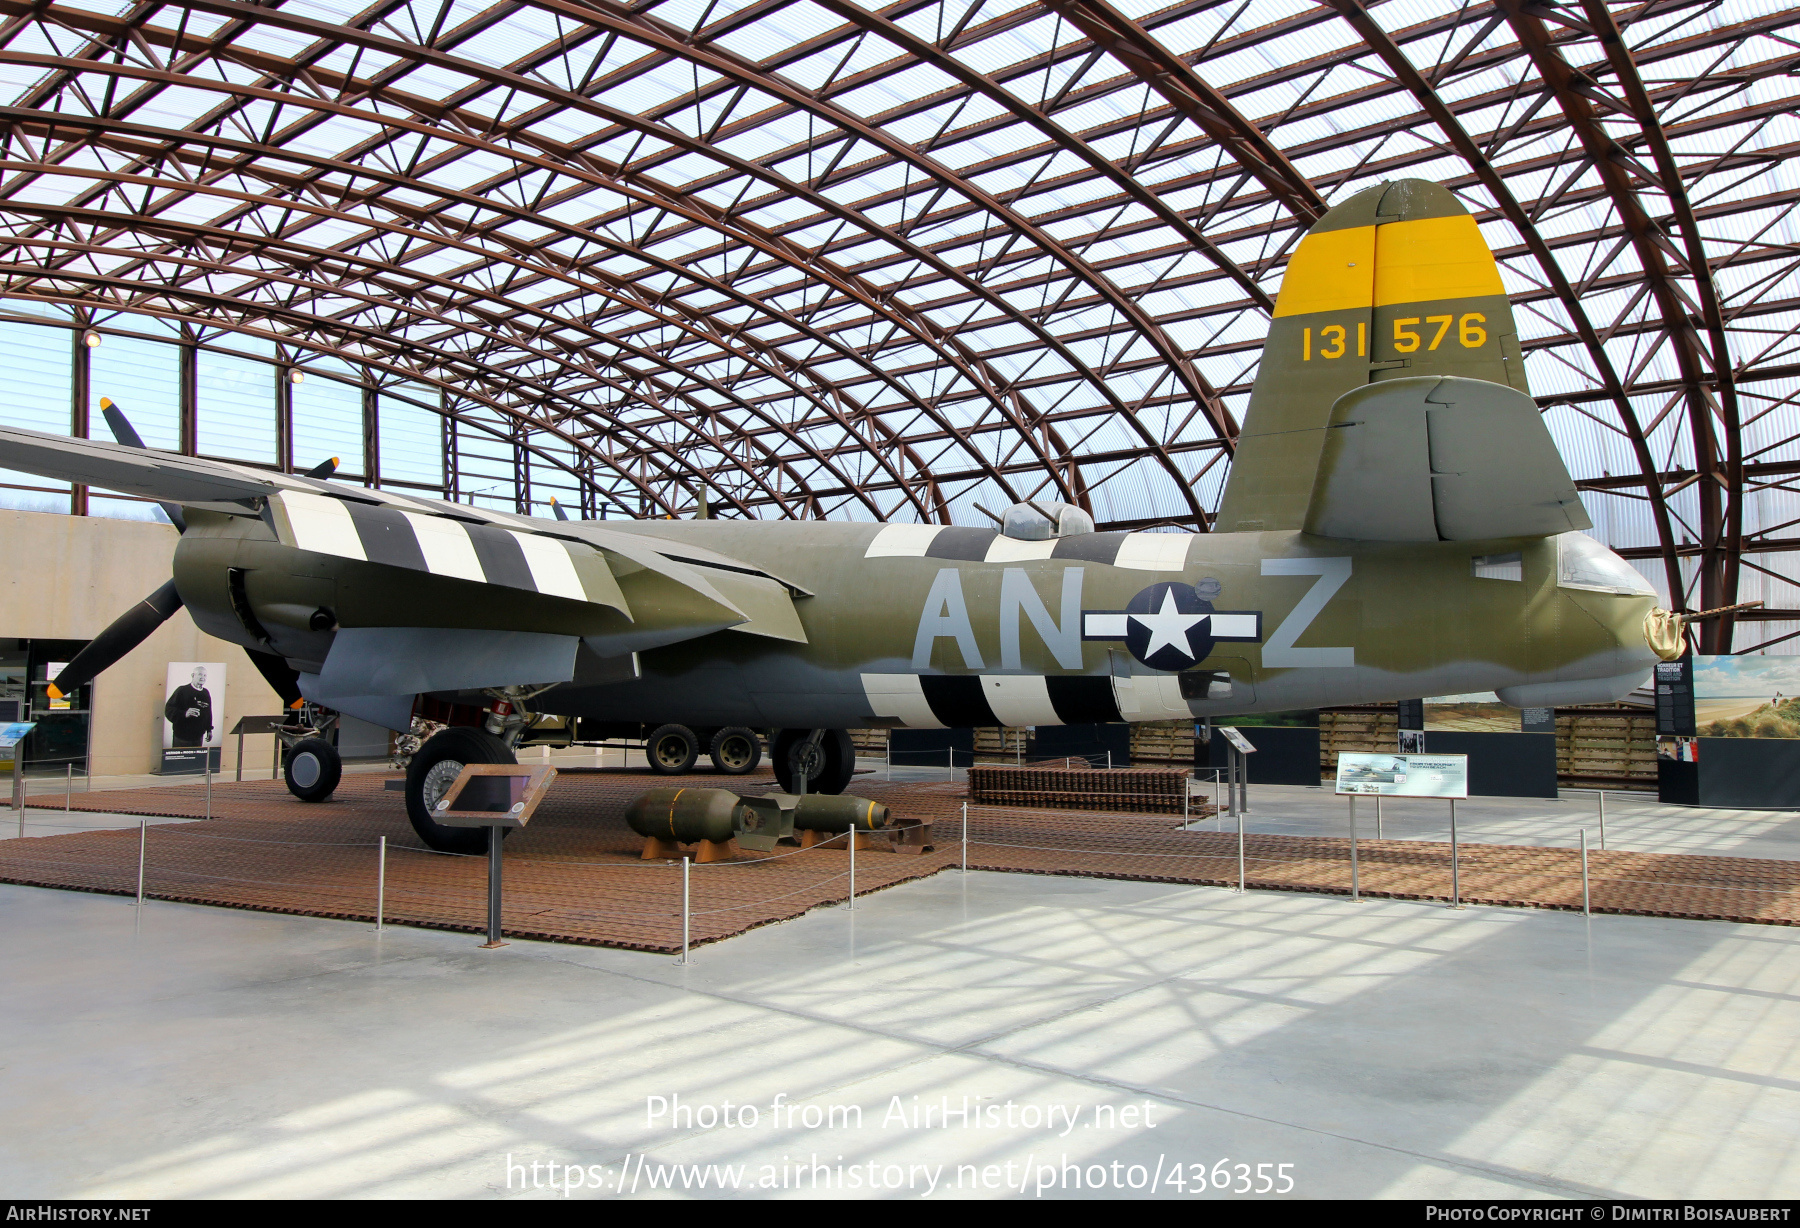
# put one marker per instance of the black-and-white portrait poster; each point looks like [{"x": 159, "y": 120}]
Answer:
[{"x": 194, "y": 707}]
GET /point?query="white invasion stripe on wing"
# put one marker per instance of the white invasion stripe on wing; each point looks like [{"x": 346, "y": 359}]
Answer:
[
  {"x": 1019, "y": 700},
  {"x": 323, "y": 525},
  {"x": 902, "y": 541},
  {"x": 1154, "y": 551},
  {"x": 1010, "y": 550},
  {"x": 446, "y": 547},
  {"x": 899, "y": 697},
  {"x": 552, "y": 570}
]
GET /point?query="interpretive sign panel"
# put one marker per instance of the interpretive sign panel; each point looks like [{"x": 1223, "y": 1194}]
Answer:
[
  {"x": 12, "y": 733},
  {"x": 1237, "y": 739},
  {"x": 1403, "y": 775}
]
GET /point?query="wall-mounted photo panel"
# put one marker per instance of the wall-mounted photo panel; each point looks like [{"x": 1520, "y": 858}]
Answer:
[
  {"x": 1477, "y": 712},
  {"x": 193, "y": 716},
  {"x": 1747, "y": 697}
]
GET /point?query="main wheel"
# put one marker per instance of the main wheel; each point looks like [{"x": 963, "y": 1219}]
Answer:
[
  {"x": 434, "y": 769},
  {"x": 735, "y": 751},
  {"x": 672, "y": 750},
  {"x": 833, "y": 760},
  {"x": 312, "y": 769}
]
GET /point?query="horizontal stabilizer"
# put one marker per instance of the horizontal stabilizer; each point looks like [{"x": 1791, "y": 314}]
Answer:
[
  {"x": 110, "y": 466},
  {"x": 1440, "y": 458}
]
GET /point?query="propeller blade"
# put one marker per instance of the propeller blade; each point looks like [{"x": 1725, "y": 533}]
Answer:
[
  {"x": 127, "y": 632},
  {"x": 323, "y": 469},
  {"x": 557, "y": 508},
  {"x": 127, "y": 435}
]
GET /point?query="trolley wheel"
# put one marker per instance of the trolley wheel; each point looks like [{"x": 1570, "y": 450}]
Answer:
[
  {"x": 735, "y": 751},
  {"x": 672, "y": 750},
  {"x": 312, "y": 769},
  {"x": 835, "y": 760},
  {"x": 434, "y": 768}
]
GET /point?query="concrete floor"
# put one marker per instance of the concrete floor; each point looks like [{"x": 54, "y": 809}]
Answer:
[{"x": 1382, "y": 1049}]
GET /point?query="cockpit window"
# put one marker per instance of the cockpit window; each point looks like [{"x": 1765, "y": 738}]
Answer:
[{"x": 1584, "y": 563}]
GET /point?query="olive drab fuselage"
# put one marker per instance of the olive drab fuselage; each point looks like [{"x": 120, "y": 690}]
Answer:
[{"x": 1340, "y": 623}]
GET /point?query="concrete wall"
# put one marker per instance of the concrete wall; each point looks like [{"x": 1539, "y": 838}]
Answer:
[{"x": 67, "y": 577}]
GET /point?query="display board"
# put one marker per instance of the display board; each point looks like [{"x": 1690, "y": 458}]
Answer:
[
  {"x": 1747, "y": 697},
  {"x": 1403, "y": 775},
  {"x": 193, "y": 716}
]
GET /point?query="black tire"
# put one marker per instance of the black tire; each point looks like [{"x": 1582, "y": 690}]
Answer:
[
  {"x": 429, "y": 776},
  {"x": 312, "y": 769},
  {"x": 672, "y": 750},
  {"x": 834, "y": 775},
  {"x": 735, "y": 751}
]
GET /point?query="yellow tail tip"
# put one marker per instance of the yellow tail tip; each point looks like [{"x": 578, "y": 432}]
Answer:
[
  {"x": 296, "y": 704},
  {"x": 106, "y": 403},
  {"x": 54, "y": 693}
]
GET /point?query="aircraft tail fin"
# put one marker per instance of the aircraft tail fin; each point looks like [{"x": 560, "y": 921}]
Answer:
[{"x": 1394, "y": 283}]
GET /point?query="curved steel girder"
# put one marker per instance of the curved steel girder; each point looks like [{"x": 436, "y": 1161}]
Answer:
[
  {"x": 622, "y": 21},
  {"x": 352, "y": 357},
  {"x": 1188, "y": 93},
  {"x": 927, "y": 52},
  {"x": 316, "y": 258},
  {"x": 1700, "y": 270},
  {"x": 1377, "y": 40},
  {"x": 881, "y": 302},
  {"x": 1610, "y": 161},
  {"x": 922, "y": 330},
  {"x": 614, "y": 246},
  {"x": 1326, "y": 144},
  {"x": 444, "y": 359}
]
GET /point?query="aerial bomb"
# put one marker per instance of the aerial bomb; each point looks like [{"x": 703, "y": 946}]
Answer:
[
  {"x": 686, "y": 816},
  {"x": 838, "y": 812}
]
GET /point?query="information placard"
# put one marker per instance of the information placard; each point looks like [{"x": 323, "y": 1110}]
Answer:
[
  {"x": 13, "y": 732},
  {"x": 1237, "y": 739},
  {"x": 1403, "y": 775}
]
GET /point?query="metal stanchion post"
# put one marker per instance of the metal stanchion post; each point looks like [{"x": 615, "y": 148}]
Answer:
[
  {"x": 1378, "y": 834},
  {"x": 143, "y": 838},
  {"x": 1109, "y": 760},
  {"x": 381, "y": 885},
  {"x": 965, "y": 836},
  {"x": 1586, "y": 910},
  {"x": 69, "y": 788},
  {"x": 1455, "y": 870},
  {"x": 684, "y": 910},
  {"x": 496, "y": 865},
  {"x": 18, "y": 783},
  {"x": 851, "y": 837},
  {"x": 209, "y": 785},
  {"x": 1355, "y": 881},
  {"x": 1240, "y": 819},
  {"x": 950, "y": 763},
  {"x": 240, "y": 758},
  {"x": 1603, "y": 818}
]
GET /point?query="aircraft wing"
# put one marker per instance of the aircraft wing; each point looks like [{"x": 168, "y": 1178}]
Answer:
[
  {"x": 1441, "y": 458},
  {"x": 665, "y": 592},
  {"x": 153, "y": 475}
]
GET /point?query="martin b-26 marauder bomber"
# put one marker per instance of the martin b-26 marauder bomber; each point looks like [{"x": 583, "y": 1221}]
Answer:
[{"x": 1397, "y": 523}]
